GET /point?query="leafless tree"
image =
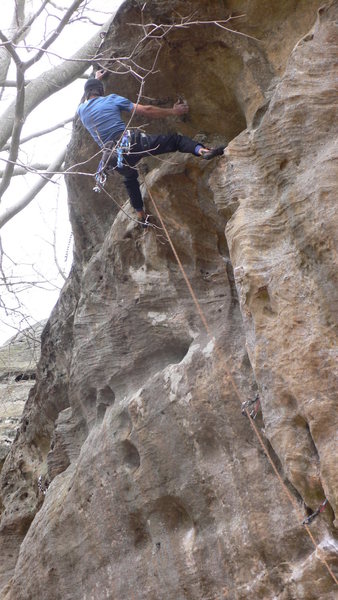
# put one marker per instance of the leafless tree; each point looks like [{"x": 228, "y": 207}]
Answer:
[
  {"x": 30, "y": 36},
  {"x": 16, "y": 49}
]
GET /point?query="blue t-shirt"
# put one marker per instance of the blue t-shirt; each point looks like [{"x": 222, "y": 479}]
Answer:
[{"x": 102, "y": 116}]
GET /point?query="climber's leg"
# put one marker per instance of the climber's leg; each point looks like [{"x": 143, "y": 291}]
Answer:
[
  {"x": 162, "y": 144},
  {"x": 144, "y": 145},
  {"x": 130, "y": 179}
]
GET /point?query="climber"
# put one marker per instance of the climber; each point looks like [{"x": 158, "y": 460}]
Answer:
[{"x": 123, "y": 149}]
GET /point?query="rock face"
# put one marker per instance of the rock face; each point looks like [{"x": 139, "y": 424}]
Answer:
[
  {"x": 18, "y": 360},
  {"x": 155, "y": 484},
  {"x": 289, "y": 306}
]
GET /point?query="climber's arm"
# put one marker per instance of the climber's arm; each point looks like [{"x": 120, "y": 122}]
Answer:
[{"x": 155, "y": 112}]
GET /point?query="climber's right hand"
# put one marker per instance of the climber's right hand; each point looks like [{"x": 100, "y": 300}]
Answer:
[
  {"x": 100, "y": 74},
  {"x": 180, "y": 108}
]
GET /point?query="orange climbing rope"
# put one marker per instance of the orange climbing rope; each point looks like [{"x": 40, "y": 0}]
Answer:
[{"x": 237, "y": 392}]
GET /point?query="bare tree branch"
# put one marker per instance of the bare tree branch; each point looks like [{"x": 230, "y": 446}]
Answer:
[
  {"x": 10, "y": 49},
  {"x": 25, "y": 169},
  {"x": 40, "y": 133},
  {"x": 11, "y": 83},
  {"x": 21, "y": 33},
  {"x": 29, "y": 94},
  {"x": 17, "y": 21},
  {"x": 51, "y": 82},
  {"x": 17, "y": 127},
  {"x": 10, "y": 212},
  {"x": 18, "y": 14},
  {"x": 57, "y": 6},
  {"x": 56, "y": 261},
  {"x": 64, "y": 21}
]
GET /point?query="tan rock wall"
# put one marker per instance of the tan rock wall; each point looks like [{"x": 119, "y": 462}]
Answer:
[
  {"x": 158, "y": 487},
  {"x": 283, "y": 241}
]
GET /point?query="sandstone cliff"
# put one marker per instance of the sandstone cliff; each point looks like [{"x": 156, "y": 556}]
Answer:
[
  {"x": 158, "y": 486},
  {"x": 18, "y": 360}
]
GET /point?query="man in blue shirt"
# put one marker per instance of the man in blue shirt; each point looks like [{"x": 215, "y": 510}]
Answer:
[{"x": 101, "y": 116}]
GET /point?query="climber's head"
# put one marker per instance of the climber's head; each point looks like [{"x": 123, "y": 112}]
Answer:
[{"x": 93, "y": 87}]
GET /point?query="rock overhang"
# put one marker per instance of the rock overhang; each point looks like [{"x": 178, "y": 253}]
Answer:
[{"x": 226, "y": 70}]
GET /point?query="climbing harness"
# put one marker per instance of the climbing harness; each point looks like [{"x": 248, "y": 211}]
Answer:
[
  {"x": 121, "y": 148},
  {"x": 251, "y": 406},
  {"x": 315, "y": 514}
]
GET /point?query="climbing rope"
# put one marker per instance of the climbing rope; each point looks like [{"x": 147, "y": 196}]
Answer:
[
  {"x": 244, "y": 405},
  {"x": 147, "y": 224}
]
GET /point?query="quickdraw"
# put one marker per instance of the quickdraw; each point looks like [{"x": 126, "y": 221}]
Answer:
[
  {"x": 252, "y": 406},
  {"x": 123, "y": 147},
  {"x": 100, "y": 177},
  {"x": 315, "y": 514},
  {"x": 43, "y": 484}
]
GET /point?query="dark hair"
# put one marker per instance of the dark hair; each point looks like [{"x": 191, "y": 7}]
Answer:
[{"x": 93, "y": 86}]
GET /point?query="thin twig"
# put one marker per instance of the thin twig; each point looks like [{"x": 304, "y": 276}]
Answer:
[
  {"x": 14, "y": 209},
  {"x": 64, "y": 21},
  {"x": 24, "y": 29},
  {"x": 40, "y": 133}
]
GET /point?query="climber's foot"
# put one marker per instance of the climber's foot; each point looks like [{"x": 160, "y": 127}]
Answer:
[{"x": 209, "y": 153}]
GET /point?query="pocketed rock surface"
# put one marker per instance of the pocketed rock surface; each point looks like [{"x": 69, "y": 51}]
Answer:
[{"x": 154, "y": 483}]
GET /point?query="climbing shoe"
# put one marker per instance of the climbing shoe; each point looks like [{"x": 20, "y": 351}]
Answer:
[{"x": 213, "y": 152}]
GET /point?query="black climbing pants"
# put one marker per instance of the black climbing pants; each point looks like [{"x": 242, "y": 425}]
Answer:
[{"x": 143, "y": 145}]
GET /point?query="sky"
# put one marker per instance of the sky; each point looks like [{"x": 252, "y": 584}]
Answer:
[{"x": 28, "y": 239}]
